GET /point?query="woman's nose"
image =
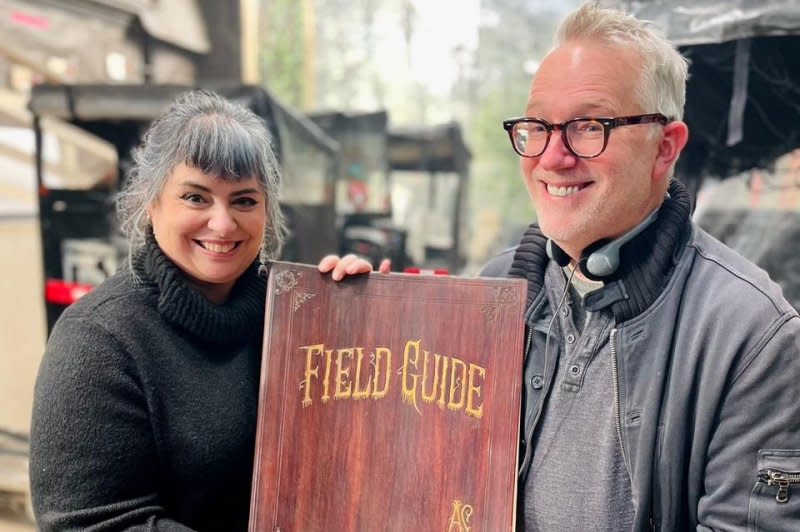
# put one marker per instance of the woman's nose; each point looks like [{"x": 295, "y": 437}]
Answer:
[{"x": 221, "y": 221}]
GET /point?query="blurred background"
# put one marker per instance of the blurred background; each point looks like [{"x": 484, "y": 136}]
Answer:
[{"x": 386, "y": 116}]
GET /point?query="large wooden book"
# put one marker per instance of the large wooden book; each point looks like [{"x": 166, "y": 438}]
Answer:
[{"x": 388, "y": 402}]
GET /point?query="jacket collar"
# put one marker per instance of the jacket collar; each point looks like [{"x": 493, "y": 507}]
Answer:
[{"x": 646, "y": 262}]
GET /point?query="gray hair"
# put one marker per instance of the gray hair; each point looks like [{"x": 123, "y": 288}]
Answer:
[
  {"x": 203, "y": 130},
  {"x": 662, "y": 88}
]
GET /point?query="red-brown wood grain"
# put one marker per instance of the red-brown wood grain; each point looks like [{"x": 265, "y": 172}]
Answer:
[{"x": 349, "y": 447}]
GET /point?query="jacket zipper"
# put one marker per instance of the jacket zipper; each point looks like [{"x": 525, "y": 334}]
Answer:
[
  {"x": 615, "y": 376},
  {"x": 782, "y": 479},
  {"x": 528, "y": 343}
]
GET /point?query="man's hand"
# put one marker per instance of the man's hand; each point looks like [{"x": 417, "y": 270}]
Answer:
[{"x": 349, "y": 265}]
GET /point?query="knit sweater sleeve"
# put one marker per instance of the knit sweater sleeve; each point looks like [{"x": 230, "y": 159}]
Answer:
[{"x": 93, "y": 463}]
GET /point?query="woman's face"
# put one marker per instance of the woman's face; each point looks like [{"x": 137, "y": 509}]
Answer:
[{"x": 210, "y": 228}]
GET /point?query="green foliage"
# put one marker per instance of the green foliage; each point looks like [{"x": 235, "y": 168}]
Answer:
[
  {"x": 492, "y": 84},
  {"x": 497, "y": 181},
  {"x": 521, "y": 33},
  {"x": 281, "y": 50}
]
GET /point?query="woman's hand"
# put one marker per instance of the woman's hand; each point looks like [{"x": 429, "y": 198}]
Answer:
[{"x": 349, "y": 265}]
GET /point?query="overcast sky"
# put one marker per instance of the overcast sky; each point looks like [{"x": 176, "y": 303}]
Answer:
[{"x": 444, "y": 26}]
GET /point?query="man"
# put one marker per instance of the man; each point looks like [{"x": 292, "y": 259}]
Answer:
[{"x": 662, "y": 370}]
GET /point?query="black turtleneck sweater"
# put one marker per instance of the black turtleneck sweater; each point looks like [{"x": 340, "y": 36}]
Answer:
[{"x": 145, "y": 406}]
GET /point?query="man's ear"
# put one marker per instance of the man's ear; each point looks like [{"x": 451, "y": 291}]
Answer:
[{"x": 674, "y": 139}]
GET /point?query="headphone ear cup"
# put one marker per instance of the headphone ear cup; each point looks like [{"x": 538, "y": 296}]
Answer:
[
  {"x": 601, "y": 259},
  {"x": 556, "y": 253},
  {"x": 597, "y": 263}
]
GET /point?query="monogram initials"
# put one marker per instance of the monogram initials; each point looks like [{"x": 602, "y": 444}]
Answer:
[{"x": 459, "y": 520}]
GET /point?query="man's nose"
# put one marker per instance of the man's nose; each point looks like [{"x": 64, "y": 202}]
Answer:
[
  {"x": 221, "y": 221},
  {"x": 556, "y": 156}
]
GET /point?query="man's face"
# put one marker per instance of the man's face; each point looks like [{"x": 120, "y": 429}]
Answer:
[{"x": 579, "y": 201}]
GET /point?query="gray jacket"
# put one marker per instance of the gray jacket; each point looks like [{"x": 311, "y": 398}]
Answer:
[{"x": 708, "y": 394}]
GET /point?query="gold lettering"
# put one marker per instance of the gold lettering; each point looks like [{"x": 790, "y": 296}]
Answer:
[
  {"x": 460, "y": 518},
  {"x": 326, "y": 395},
  {"x": 410, "y": 357},
  {"x": 457, "y": 378},
  {"x": 443, "y": 386},
  {"x": 474, "y": 390},
  {"x": 312, "y": 370},
  {"x": 427, "y": 377},
  {"x": 428, "y": 386},
  {"x": 381, "y": 393},
  {"x": 358, "y": 391},
  {"x": 342, "y": 374}
]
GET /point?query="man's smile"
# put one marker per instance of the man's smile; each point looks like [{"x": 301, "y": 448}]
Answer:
[{"x": 563, "y": 191}]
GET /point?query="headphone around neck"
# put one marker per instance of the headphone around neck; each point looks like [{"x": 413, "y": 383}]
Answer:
[{"x": 600, "y": 259}]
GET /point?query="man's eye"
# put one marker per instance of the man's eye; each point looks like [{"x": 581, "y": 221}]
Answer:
[{"x": 590, "y": 127}]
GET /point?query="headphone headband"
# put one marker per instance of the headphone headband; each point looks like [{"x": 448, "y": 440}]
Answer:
[{"x": 596, "y": 264}]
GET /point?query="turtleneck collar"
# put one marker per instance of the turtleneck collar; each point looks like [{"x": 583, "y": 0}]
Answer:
[
  {"x": 234, "y": 322},
  {"x": 646, "y": 262}
]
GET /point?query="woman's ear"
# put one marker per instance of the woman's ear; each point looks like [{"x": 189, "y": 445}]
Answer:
[
  {"x": 674, "y": 139},
  {"x": 149, "y": 215}
]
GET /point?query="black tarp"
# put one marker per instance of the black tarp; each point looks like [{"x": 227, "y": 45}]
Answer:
[
  {"x": 743, "y": 94},
  {"x": 743, "y": 112},
  {"x": 757, "y": 214}
]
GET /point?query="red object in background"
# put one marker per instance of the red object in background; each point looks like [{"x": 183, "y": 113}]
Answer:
[
  {"x": 427, "y": 271},
  {"x": 30, "y": 20},
  {"x": 64, "y": 292},
  {"x": 358, "y": 194}
]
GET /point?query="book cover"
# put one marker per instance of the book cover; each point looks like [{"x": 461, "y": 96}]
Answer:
[{"x": 388, "y": 402}]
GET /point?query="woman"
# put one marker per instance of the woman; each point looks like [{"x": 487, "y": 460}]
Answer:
[{"x": 145, "y": 405}]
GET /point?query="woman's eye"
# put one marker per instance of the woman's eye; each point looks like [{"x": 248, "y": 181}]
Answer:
[
  {"x": 245, "y": 202},
  {"x": 196, "y": 199}
]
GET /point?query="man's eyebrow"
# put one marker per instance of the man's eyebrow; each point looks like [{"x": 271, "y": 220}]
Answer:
[{"x": 598, "y": 109}]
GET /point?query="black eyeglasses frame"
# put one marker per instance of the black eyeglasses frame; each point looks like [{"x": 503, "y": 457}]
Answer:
[{"x": 608, "y": 124}]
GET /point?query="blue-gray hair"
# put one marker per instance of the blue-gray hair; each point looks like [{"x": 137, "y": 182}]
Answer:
[{"x": 222, "y": 139}]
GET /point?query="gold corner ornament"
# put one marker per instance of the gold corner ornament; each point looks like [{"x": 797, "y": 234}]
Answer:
[{"x": 286, "y": 281}]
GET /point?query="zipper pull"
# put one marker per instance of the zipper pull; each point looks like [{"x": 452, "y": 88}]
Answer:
[{"x": 781, "y": 479}]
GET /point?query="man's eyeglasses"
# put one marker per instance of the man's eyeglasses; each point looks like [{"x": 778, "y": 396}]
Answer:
[{"x": 583, "y": 137}]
